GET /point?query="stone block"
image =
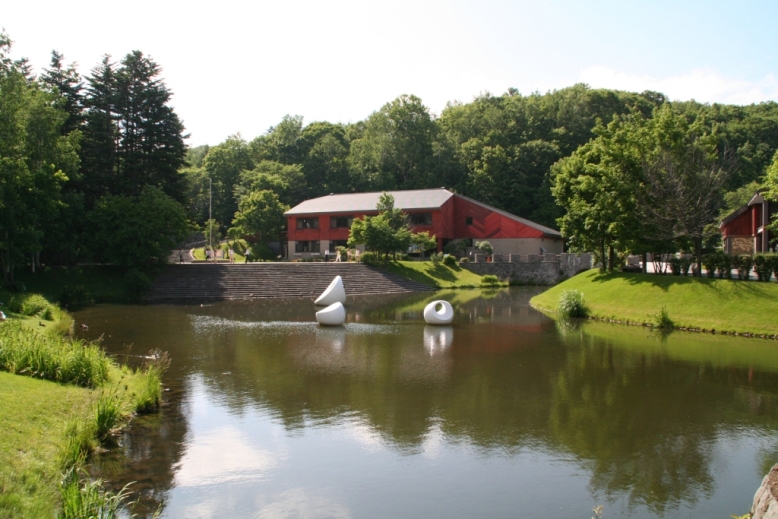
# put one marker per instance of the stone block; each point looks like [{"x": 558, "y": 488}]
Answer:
[
  {"x": 534, "y": 258},
  {"x": 479, "y": 258},
  {"x": 550, "y": 258}
]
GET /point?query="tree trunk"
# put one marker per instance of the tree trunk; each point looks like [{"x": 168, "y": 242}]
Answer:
[
  {"x": 645, "y": 262},
  {"x": 698, "y": 254},
  {"x": 602, "y": 256},
  {"x": 611, "y": 258}
]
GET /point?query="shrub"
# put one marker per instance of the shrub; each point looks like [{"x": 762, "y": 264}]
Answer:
[
  {"x": 75, "y": 297},
  {"x": 490, "y": 280},
  {"x": 661, "y": 319},
  {"x": 724, "y": 265},
  {"x": 571, "y": 304},
  {"x": 137, "y": 282},
  {"x": 709, "y": 262},
  {"x": 449, "y": 260},
  {"x": 32, "y": 305},
  {"x": 743, "y": 263},
  {"x": 370, "y": 258},
  {"x": 485, "y": 247},
  {"x": 436, "y": 257},
  {"x": 675, "y": 265},
  {"x": 763, "y": 267},
  {"x": 464, "y": 260},
  {"x": 686, "y": 265}
]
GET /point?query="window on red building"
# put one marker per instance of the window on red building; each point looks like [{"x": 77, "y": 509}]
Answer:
[
  {"x": 341, "y": 222},
  {"x": 307, "y": 246},
  {"x": 308, "y": 223},
  {"x": 421, "y": 218}
]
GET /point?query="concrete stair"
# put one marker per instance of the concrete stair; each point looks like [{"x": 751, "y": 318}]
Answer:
[{"x": 200, "y": 281}]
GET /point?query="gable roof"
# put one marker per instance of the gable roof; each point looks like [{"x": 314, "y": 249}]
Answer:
[
  {"x": 411, "y": 200},
  {"x": 528, "y": 223}
]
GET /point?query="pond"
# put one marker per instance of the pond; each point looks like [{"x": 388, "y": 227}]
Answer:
[{"x": 505, "y": 413}]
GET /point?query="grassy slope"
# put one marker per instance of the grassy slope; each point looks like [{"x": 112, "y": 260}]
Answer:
[
  {"x": 33, "y": 415},
  {"x": 32, "y": 420},
  {"x": 440, "y": 275},
  {"x": 720, "y": 304}
]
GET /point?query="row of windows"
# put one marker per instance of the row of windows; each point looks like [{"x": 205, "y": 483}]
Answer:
[
  {"x": 315, "y": 246},
  {"x": 344, "y": 222}
]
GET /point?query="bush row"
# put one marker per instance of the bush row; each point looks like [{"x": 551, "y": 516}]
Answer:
[{"x": 765, "y": 265}]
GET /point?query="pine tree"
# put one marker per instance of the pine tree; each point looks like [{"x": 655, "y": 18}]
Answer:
[
  {"x": 98, "y": 147},
  {"x": 68, "y": 85}
]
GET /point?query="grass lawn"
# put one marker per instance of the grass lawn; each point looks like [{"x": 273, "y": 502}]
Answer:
[
  {"x": 33, "y": 414},
  {"x": 430, "y": 274},
  {"x": 712, "y": 304}
]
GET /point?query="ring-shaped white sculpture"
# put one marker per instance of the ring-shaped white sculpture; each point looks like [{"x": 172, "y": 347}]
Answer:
[
  {"x": 333, "y": 315},
  {"x": 444, "y": 315},
  {"x": 335, "y": 293}
]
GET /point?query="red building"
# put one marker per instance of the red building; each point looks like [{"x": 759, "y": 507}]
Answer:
[
  {"x": 744, "y": 231},
  {"x": 323, "y": 223}
]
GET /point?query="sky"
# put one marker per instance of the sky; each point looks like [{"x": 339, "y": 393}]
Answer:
[{"x": 239, "y": 66}]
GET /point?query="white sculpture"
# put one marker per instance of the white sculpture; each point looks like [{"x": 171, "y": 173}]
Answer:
[
  {"x": 435, "y": 315},
  {"x": 335, "y": 293},
  {"x": 333, "y": 315},
  {"x": 437, "y": 339}
]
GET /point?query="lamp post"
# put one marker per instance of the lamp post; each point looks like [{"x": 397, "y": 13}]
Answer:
[{"x": 210, "y": 213}]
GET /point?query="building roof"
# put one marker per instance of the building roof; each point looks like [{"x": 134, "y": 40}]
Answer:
[
  {"x": 756, "y": 199},
  {"x": 411, "y": 200}
]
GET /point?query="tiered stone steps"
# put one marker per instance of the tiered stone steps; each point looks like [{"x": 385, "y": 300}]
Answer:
[{"x": 203, "y": 282}]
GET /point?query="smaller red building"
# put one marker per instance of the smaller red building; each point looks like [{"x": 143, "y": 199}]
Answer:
[
  {"x": 745, "y": 230},
  {"x": 323, "y": 223}
]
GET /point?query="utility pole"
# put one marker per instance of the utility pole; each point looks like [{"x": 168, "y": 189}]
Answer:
[{"x": 210, "y": 212}]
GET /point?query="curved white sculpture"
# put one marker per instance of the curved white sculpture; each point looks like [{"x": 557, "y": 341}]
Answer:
[
  {"x": 333, "y": 315},
  {"x": 444, "y": 315},
  {"x": 335, "y": 293},
  {"x": 437, "y": 339}
]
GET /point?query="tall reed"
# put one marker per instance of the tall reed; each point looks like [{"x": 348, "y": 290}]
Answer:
[
  {"x": 86, "y": 498},
  {"x": 150, "y": 390},
  {"x": 26, "y": 352}
]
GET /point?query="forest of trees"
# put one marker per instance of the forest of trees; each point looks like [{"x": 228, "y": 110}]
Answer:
[{"x": 89, "y": 163}]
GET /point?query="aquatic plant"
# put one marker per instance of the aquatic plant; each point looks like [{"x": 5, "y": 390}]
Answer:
[
  {"x": 571, "y": 304},
  {"x": 661, "y": 319},
  {"x": 78, "y": 442},
  {"x": 490, "y": 280},
  {"x": 25, "y": 352},
  {"x": 150, "y": 388},
  {"x": 107, "y": 412},
  {"x": 86, "y": 498}
]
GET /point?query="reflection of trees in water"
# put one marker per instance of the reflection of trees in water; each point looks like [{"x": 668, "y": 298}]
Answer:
[
  {"x": 510, "y": 380},
  {"x": 643, "y": 424}
]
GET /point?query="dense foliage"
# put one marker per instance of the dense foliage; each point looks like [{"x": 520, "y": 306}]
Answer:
[
  {"x": 89, "y": 168},
  {"x": 594, "y": 162}
]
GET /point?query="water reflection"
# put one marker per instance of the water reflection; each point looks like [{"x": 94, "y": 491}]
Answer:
[
  {"x": 270, "y": 412},
  {"x": 437, "y": 339}
]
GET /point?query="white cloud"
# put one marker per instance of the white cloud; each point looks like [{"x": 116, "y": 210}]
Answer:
[{"x": 703, "y": 85}]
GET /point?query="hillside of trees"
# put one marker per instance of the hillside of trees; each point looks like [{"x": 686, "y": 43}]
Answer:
[{"x": 95, "y": 167}]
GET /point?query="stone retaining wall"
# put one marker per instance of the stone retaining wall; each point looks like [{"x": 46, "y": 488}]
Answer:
[{"x": 533, "y": 269}]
